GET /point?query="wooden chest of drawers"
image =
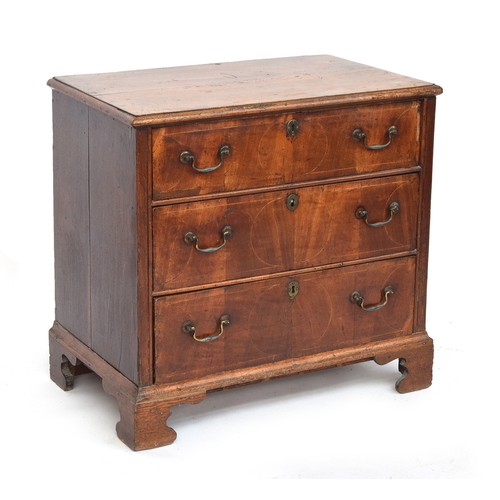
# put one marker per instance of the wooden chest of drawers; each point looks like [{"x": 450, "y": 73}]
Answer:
[{"x": 226, "y": 224}]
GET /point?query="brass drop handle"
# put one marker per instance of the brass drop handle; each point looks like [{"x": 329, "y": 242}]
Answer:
[
  {"x": 359, "y": 135},
  {"x": 190, "y": 238},
  {"x": 188, "y": 327},
  {"x": 187, "y": 156},
  {"x": 357, "y": 298},
  {"x": 362, "y": 213}
]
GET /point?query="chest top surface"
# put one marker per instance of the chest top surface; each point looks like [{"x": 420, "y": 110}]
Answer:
[{"x": 155, "y": 96}]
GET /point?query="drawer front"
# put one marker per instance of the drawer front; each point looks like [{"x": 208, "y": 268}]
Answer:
[
  {"x": 282, "y": 230},
  {"x": 268, "y": 325},
  {"x": 262, "y": 153}
]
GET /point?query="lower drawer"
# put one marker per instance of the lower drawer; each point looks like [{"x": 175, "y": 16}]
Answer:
[{"x": 280, "y": 318}]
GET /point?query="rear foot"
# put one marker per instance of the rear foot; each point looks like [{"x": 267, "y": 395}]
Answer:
[{"x": 64, "y": 366}]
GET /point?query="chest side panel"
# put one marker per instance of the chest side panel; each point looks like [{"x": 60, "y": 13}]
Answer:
[
  {"x": 71, "y": 216},
  {"x": 113, "y": 242}
]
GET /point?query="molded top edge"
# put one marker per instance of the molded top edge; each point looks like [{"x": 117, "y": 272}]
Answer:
[{"x": 155, "y": 96}]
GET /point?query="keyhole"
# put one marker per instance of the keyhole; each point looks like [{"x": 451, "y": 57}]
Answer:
[
  {"x": 292, "y": 201},
  {"x": 292, "y": 128},
  {"x": 293, "y": 289}
]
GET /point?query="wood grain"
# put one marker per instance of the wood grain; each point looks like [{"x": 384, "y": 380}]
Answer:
[
  {"x": 145, "y": 343},
  {"x": 71, "y": 216},
  {"x": 144, "y": 410},
  {"x": 269, "y": 238},
  {"x": 152, "y": 97},
  {"x": 427, "y": 146},
  {"x": 264, "y": 155},
  {"x": 113, "y": 240},
  {"x": 267, "y": 325},
  {"x": 127, "y": 282}
]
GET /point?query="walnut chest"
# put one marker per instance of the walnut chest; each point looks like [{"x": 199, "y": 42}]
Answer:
[{"x": 225, "y": 224}]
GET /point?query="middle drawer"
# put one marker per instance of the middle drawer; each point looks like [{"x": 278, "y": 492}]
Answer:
[{"x": 237, "y": 237}]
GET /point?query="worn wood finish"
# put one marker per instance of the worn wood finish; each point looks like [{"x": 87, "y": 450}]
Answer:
[
  {"x": 127, "y": 283},
  {"x": 262, "y": 154},
  {"x": 62, "y": 364},
  {"x": 113, "y": 240},
  {"x": 267, "y": 325},
  {"x": 144, "y": 257},
  {"x": 95, "y": 224},
  {"x": 143, "y": 424},
  {"x": 270, "y": 238},
  {"x": 171, "y": 95},
  {"x": 71, "y": 216},
  {"x": 427, "y": 146},
  {"x": 144, "y": 410},
  {"x": 415, "y": 364}
]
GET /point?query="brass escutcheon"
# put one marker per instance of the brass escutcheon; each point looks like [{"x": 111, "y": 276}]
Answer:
[
  {"x": 292, "y": 128},
  {"x": 293, "y": 289},
  {"x": 292, "y": 201}
]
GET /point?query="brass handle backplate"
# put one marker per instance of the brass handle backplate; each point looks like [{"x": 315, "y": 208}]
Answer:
[
  {"x": 190, "y": 238},
  {"x": 359, "y": 135},
  {"x": 187, "y": 156},
  {"x": 362, "y": 213},
  {"x": 357, "y": 298},
  {"x": 188, "y": 327}
]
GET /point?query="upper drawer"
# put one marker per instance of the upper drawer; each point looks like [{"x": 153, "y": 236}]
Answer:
[
  {"x": 262, "y": 152},
  {"x": 283, "y": 230}
]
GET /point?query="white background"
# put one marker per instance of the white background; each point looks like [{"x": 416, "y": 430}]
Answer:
[{"x": 341, "y": 423}]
